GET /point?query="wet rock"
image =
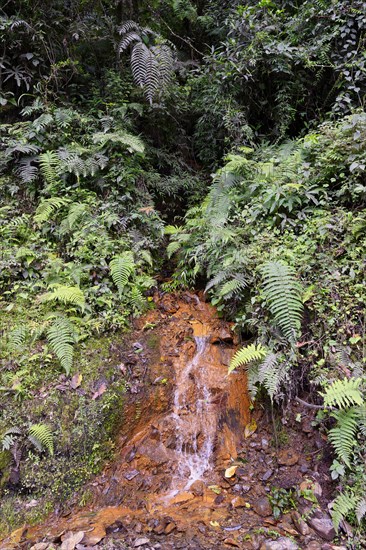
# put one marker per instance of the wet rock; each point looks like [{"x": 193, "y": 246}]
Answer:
[
  {"x": 287, "y": 457},
  {"x": 40, "y": 546},
  {"x": 246, "y": 488},
  {"x": 170, "y": 528},
  {"x": 262, "y": 507},
  {"x": 92, "y": 538},
  {"x": 239, "y": 502},
  {"x": 240, "y": 472},
  {"x": 222, "y": 335},
  {"x": 231, "y": 542},
  {"x": 300, "y": 524},
  {"x": 70, "y": 540},
  {"x": 141, "y": 542},
  {"x": 198, "y": 488},
  {"x": 131, "y": 474},
  {"x": 322, "y": 524},
  {"x": 283, "y": 543},
  {"x": 181, "y": 498},
  {"x": 267, "y": 475}
]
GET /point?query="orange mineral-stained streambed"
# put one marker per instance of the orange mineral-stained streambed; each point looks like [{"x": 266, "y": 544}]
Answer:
[{"x": 184, "y": 429}]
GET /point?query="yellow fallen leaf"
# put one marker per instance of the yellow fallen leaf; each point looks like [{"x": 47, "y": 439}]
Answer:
[
  {"x": 230, "y": 472},
  {"x": 214, "y": 523},
  {"x": 215, "y": 489},
  {"x": 250, "y": 429}
]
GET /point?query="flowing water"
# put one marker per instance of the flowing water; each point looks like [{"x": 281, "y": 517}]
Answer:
[{"x": 195, "y": 422}]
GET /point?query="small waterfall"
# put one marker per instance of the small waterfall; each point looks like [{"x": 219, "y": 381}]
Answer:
[{"x": 194, "y": 421}]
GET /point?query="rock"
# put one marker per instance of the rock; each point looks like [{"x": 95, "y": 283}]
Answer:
[
  {"x": 141, "y": 542},
  {"x": 262, "y": 507},
  {"x": 40, "y": 546},
  {"x": 198, "y": 488},
  {"x": 239, "y": 502},
  {"x": 313, "y": 545},
  {"x": 222, "y": 335},
  {"x": 92, "y": 538},
  {"x": 232, "y": 542},
  {"x": 312, "y": 486},
  {"x": 264, "y": 444},
  {"x": 322, "y": 524},
  {"x": 267, "y": 475},
  {"x": 181, "y": 498},
  {"x": 283, "y": 543},
  {"x": 170, "y": 528},
  {"x": 131, "y": 474},
  {"x": 287, "y": 457},
  {"x": 246, "y": 488},
  {"x": 300, "y": 524},
  {"x": 70, "y": 540}
]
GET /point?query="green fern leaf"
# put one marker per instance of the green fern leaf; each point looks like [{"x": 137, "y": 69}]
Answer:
[
  {"x": 342, "y": 505},
  {"x": 49, "y": 164},
  {"x": 343, "y": 393},
  {"x": 342, "y": 437},
  {"x": 272, "y": 374},
  {"x": 283, "y": 295},
  {"x": 41, "y": 437},
  {"x": 122, "y": 268},
  {"x": 18, "y": 337},
  {"x": 361, "y": 510},
  {"x": 72, "y": 295},
  {"x": 60, "y": 336},
  {"x": 247, "y": 355},
  {"x": 172, "y": 248},
  {"x": 47, "y": 207}
]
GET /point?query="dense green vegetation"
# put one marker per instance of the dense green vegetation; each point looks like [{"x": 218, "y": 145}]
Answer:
[{"x": 114, "y": 117}]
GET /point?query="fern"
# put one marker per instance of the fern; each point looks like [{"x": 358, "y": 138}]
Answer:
[
  {"x": 49, "y": 164},
  {"x": 60, "y": 336},
  {"x": 26, "y": 170},
  {"x": 133, "y": 143},
  {"x": 342, "y": 505},
  {"x": 47, "y": 207},
  {"x": 283, "y": 295},
  {"x": 343, "y": 393},
  {"x": 361, "y": 510},
  {"x": 342, "y": 436},
  {"x": 272, "y": 374},
  {"x": 65, "y": 294},
  {"x": 41, "y": 437},
  {"x": 232, "y": 287},
  {"x": 122, "y": 268},
  {"x": 18, "y": 337},
  {"x": 247, "y": 355}
]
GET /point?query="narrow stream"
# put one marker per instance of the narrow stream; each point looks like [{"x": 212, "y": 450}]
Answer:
[{"x": 195, "y": 422}]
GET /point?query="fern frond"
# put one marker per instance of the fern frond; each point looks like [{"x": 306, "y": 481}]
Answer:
[
  {"x": 18, "y": 337},
  {"x": 272, "y": 374},
  {"x": 65, "y": 294},
  {"x": 247, "y": 354},
  {"x": 283, "y": 295},
  {"x": 361, "y": 510},
  {"x": 133, "y": 143},
  {"x": 127, "y": 40},
  {"x": 49, "y": 165},
  {"x": 232, "y": 287},
  {"x": 60, "y": 336},
  {"x": 172, "y": 248},
  {"x": 342, "y": 437},
  {"x": 7, "y": 442},
  {"x": 343, "y": 393},
  {"x": 76, "y": 212},
  {"x": 122, "y": 268},
  {"x": 128, "y": 26},
  {"x": 47, "y": 207},
  {"x": 64, "y": 117},
  {"x": 41, "y": 437},
  {"x": 342, "y": 505},
  {"x": 26, "y": 170}
]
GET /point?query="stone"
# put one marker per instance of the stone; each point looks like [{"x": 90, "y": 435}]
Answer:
[
  {"x": 283, "y": 543},
  {"x": 170, "y": 528},
  {"x": 40, "y": 546},
  {"x": 197, "y": 488},
  {"x": 239, "y": 502},
  {"x": 131, "y": 474},
  {"x": 267, "y": 475},
  {"x": 246, "y": 488},
  {"x": 262, "y": 507},
  {"x": 313, "y": 486},
  {"x": 322, "y": 524},
  {"x": 70, "y": 540},
  {"x": 181, "y": 498},
  {"x": 232, "y": 542},
  {"x": 313, "y": 545},
  {"x": 300, "y": 524},
  {"x": 141, "y": 542},
  {"x": 287, "y": 457}
]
